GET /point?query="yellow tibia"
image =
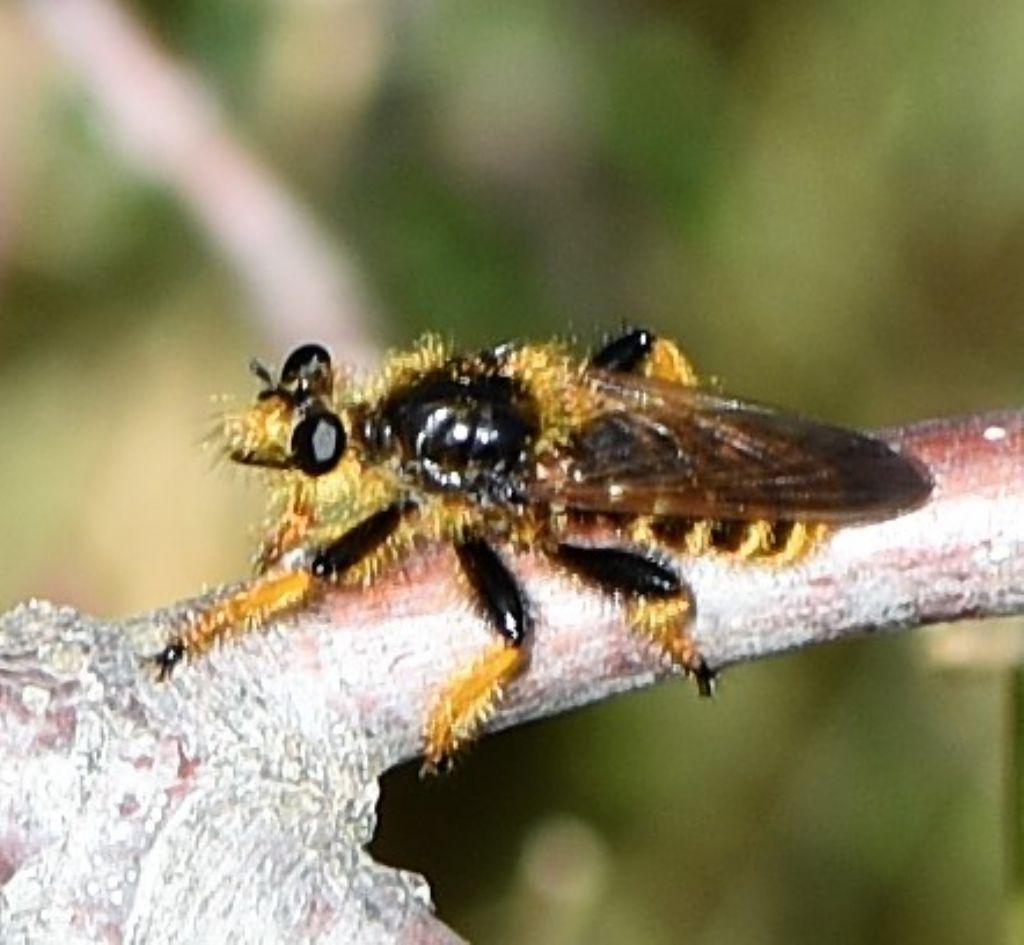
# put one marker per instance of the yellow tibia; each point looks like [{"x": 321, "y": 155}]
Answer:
[
  {"x": 467, "y": 702},
  {"x": 264, "y": 598},
  {"x": 665, "y": 623},
  {"x": 667, "y": 363}
]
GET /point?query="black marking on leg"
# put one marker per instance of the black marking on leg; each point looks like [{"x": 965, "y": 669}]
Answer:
[
  {"x": 345, "y": 553},
  {"x": 497, "y": 589},
  {"x": 169, "y": 657},
  {"x": 616, "y": 570},
  {"x": 626, "y": 353}
]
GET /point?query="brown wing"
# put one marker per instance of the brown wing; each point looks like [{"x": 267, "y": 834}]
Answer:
[{"x": 664, "y": 449}]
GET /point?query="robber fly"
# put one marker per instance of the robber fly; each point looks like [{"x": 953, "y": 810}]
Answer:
[{"x": 521, "y": 447}]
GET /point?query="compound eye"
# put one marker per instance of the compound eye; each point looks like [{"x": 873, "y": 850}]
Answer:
[
  {"x": 318, "y": 442},
  {"x": 308, "y": 369}
]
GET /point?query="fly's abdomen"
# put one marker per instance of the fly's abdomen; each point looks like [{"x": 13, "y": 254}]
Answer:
[{"x": 771, "y": 542}]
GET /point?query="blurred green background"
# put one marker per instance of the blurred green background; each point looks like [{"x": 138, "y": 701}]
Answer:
[{"x": 823, "y": 200}]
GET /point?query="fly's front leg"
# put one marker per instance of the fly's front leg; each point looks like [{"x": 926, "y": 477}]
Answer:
[
  {"x": 640, "y": 351},
  {"x": 264, "y": 598},
  {"x": 274, "y": 594},
  {"x": 470, "y": 698},
  {"x": 290, "y": 531},
  {"x": 659, "y": 603}
]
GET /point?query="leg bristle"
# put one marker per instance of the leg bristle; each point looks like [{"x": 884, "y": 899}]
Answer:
[
  {"x": 467, "y": 702},
  {"x": 665, "y": 623},
  {"x": 667, "y": 363},
  {"x": 250, "y": 607}
]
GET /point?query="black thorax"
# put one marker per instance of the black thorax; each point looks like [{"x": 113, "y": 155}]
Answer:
[{"x": 458, "y": 431}]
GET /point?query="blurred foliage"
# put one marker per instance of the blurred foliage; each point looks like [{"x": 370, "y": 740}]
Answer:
[{"x": 822, "y": 200}]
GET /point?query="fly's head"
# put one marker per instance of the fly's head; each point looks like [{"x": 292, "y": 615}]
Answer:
[{"x": 294, "y": 423}]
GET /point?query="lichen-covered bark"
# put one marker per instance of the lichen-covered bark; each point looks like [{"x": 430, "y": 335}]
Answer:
[{"x": 234, "y": 803}]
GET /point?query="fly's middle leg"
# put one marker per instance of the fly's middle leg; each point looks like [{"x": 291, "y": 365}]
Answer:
[
  {"x": 641, "y": 351},
  {"x": 470, "y": 698}
]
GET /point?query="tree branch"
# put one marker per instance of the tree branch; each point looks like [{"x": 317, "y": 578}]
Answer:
[{"x": 234, "y": 803}]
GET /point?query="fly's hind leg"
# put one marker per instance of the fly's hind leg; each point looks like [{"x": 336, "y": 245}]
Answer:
[
  {"x": 640, "y": 351},
  {"x": 659, "y": 603},
  {"x": 274, "y": 594},
  {"x": 470, "y": 698}
]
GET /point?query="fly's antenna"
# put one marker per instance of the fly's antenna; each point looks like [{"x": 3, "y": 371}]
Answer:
[{"x": 257, "y": 367}]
